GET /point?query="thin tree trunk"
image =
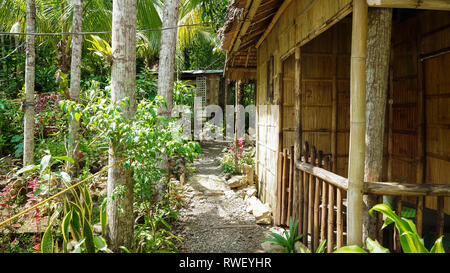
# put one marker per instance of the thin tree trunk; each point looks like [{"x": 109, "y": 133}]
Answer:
[
  {"x": 377, "y": 74},
  {"x": 123, "y": 81},
  {"x": 75, "y": 75},
  {"x": 167, "y": 55},
  {"x": 166, "y": 72},
  {"x": 28, "y": 148}
]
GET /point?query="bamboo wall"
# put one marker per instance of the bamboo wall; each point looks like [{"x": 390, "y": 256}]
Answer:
[
  {"x": 325, "y": 93},
  {"x": 419, "y": 122},
  {"x": 299, "y": 24},
  {"x": 418, "y": 117}
]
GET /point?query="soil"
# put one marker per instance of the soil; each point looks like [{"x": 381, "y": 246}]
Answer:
[{"x": 214, "y": 218}]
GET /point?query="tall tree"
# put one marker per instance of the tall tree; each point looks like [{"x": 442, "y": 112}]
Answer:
[
  {"x": 75, "y": 76},
  {"x": 123, "y": 85},
  {"x": 28, "y": 149},
  {"x": 167, "y": 68},
  {"x": 377, "y": 74}
]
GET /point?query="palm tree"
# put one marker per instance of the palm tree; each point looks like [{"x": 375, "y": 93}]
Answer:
[
  {"x": 123, "y": 85},
  {"x": 75, "y": 78},
  {"x": 28, "y": 149}
]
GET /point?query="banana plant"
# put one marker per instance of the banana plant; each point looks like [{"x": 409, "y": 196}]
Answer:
[{"x": 410, "y": 240}]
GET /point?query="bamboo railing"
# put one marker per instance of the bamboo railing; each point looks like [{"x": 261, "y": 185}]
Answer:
[{"x": 318, "y": 199}]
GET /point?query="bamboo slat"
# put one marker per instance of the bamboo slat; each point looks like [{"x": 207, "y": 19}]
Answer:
[
  {"x": 440, "y": 216},
  {"x": 305, "y": 195},
  {"x": 291, "y": 182},
  {"x": 283, "y": 187},
  {"x": 339, "y": 220},
  {"x": 323, "y": 220},
  {"x": 311, "y": 196},
  {"x": 330, "y": 232}
]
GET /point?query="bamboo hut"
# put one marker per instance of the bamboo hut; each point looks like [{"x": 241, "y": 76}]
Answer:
[{"x": 308, "y": 60}]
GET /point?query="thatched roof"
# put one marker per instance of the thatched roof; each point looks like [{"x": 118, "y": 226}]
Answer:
[{"x": 246, "y": 22}]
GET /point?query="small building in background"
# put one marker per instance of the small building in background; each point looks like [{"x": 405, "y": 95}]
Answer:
[{"x": 209, "y": 84}]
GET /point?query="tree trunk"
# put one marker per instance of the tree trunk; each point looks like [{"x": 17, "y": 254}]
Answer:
[
  {"x": 166, "y": 73},
  {"x": 377, "y": 74},
  {"x": 28, "y": 105},
  {"x": 75, "y": 75},
  {"x": 123, "y": 84}
]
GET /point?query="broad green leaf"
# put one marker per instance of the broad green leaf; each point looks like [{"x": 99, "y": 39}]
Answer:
[
  {"x": 438, "y": 246},
  {"x": 75, "y": 225},
  {"x": 103, "y": 216},
  {"x": 99, "y": 243},
  {"x": 28, "y": 168},
  {"x": 65, "y": 226},
  {"x": 350, "y": 249},
  {"x": 88, "y": 235},
  {"x": 77, "y": 116},
  {"x": 44, "y": 162},
  {"x": 64, "y": 176},
  {"x": 375, "y": 247},
  {"x": 47, "y": 241},
  {"x": 65, "y": 158}
]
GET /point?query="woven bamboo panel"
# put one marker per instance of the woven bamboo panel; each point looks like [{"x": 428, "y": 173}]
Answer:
[{"x": 325, "y": 70}]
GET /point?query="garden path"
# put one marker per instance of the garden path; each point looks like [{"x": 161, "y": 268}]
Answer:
[{"x": 214, "y": 218}]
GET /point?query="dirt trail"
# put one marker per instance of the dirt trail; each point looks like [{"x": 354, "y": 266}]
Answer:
[{"x": 214, "y": 219}]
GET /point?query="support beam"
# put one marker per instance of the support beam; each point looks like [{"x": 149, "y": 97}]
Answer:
[
  {"x": 357, "y": 123},
  {"x": 411, "y": 4},
  {"x": 377, "y": 76}
]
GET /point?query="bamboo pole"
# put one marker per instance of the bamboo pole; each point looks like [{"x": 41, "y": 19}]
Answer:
[
  {"x": 316, "y": 206},
  {"x": 357, "y": 123},
  {"x": 305, "y": 195},
  {"x": 297, "y": 191},
  {"x": 421, "y": 152},
  {"x": 312, "y": 180},
  {"x": 411, "y": 4},
  {"x": 291, "y": 182}
]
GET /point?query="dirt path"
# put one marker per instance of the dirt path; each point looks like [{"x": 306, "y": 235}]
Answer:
[{"x": 214, "y": 218}]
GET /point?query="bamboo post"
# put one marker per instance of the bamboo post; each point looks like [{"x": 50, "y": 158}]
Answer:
[
  {"x": 330, "y": 240},
  {"x": 277, "y": 214},
  {"x": 323, "y": 219},
  {"x": 357, "y": 123},
  {"x": 339, "y": 220},
  {"x": 316, "y": 206},
  {"x": 440, "y": 216},
  {"x": 300, "y": 197},
  {"x": 311, "y": 197},
  {"x": 283, "y": 187},
  {"x": 421, "y": 152},
  {"x": 291, "y": 182},
  {"x": 305, "y": 195},
  {"x": 297, "y": 191}
]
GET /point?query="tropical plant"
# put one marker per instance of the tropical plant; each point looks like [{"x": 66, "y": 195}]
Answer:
[
  {"x": 410, "y": 240},
  {"x": 76, "y": 226},
  {"x": 288, "y": 240}
]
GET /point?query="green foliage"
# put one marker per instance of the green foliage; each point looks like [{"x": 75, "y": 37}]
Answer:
[
  {"x": 76, "y": 228},
  {"x": 183, "y": 93},
  {"x": 140, "y": 139},
  {"x": 288, "y": 240},
  {"x": 410, "y": 240},
  {"x": 244, "y": 156},
  {"x": 155, "y": 235},
  {"x": 11, "y": 138}
]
